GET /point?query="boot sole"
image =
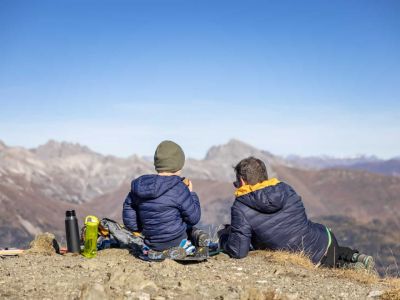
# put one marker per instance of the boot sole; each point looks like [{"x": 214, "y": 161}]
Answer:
[{"x": 175, "y": 253}]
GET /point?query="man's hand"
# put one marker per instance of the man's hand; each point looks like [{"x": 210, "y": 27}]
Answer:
[{"x": 225, "y": 230}]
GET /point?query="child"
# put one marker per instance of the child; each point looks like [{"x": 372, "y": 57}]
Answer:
[
  {"x": 268, "y": 214},
  {"x": 163, "y": 207}
]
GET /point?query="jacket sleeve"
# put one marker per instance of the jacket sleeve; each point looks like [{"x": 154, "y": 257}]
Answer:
[
  {"x": 129, "y": 214},
  {"x": 237, "y": 242},
  {"x": 190, "y": 209}
]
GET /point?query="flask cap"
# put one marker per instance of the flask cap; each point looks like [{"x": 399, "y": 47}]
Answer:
[{"x": 70, "y": 213}]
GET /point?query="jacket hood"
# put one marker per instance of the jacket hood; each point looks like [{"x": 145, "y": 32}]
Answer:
[
  {"x": 266, "y": 197},
  {"x": 153, "y": 186}
]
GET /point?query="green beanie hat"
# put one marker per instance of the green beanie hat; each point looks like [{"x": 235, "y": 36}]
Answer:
[{"x": 169, "y": 157}]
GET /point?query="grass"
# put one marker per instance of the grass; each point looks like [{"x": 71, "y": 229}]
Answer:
[
  {"x": 285, "y": 258},
  {"x": 361, "y": 276},
  {"x": 300, "y": 259},
  {"x": 392, "y": 282},
  {"x": 393, "y": 294}
]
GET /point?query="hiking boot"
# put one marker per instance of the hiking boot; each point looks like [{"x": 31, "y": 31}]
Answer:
[
  {"x": 366, "y": 260},
  {"x": 358, "y": 266},
  {"x": 188, "y": 246},
  {"x": 155, "y": 255},
  {"x": 175, "y": 253},
  {"x": 171, "y": 253},
  {"x": 200, "y": 238},
  {"x": 203, "y": 240}
]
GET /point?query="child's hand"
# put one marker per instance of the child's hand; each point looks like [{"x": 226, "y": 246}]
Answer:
[{"x": 189, "y": 184}]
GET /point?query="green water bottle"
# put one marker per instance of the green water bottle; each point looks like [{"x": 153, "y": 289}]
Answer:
[{"x": 90, "y": 248}]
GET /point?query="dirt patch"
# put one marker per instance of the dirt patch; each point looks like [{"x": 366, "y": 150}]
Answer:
[
  {"x": 116, "y": 274},
  {"x": 256, "y": 294}
]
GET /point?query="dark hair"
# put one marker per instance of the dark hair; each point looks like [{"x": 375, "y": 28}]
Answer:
[{"x": 252, "y": 170}]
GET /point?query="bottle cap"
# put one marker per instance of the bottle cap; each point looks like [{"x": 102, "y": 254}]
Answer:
[
  {"x": 70, "y": 213},
  {"x": 92, "y": 220}
]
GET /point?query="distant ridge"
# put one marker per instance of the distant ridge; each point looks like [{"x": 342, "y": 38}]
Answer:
[
  {"x": 372, "y": 164},
  {"x": 324, "y": 161},
  {"x": 387, "y": 167},
  {"x": 55, "y": 149},
  {"x": 235, "y": 149}
]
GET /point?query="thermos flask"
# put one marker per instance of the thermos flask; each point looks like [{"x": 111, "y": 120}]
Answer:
[
  {"x": 91, "y": 233},
  {"x": 72, "y": 232}
]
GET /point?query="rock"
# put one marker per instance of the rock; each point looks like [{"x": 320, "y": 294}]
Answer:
[
  {"x": 256, "y": 294},
  {"x": 375, "y": 294},
  {"x": 44, "y": 243},
  {"x": 262, "y": 281},
  {"x": 138, "y": 296},
  {"x": 93, "y": 292},
  {"x": 292, "y": 296},
  {"x": 185, "y": 285},
  {"x": 134, "y": 281}
]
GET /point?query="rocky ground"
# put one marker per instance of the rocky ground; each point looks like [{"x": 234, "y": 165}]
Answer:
[{"x": 116, "y": 274}]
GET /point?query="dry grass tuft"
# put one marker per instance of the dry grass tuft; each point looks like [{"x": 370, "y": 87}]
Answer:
[
  {"x": 391, "y": 295},
  {"x": 393, "y": 282},
  {"x": 256, "y": 294},
  {"x": 286, "y": 258},
  {"x": 361, "y": 276}
]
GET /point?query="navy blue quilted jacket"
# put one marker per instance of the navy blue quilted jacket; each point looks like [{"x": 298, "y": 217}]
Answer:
[
  {"x": 270, "y": 215},
  {"x": 161, "y": 207}
]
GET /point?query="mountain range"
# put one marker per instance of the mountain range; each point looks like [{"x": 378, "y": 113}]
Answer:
[
  {"x": 38, "y": 185},
  {"x": 372, "y": 164}
]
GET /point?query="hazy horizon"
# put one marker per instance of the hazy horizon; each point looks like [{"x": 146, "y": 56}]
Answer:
[{"x": 147, "y": 155}]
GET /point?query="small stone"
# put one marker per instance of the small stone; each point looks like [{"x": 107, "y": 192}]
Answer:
[
  {"x": 93, "y": 292},
  {"x": 292, "y": 296},
  {"x": 138, "y": 296},
  {"x": 185, "y": 284},
  {"x": 374, "y": 294},
  {"x": 261, "y": 281}
]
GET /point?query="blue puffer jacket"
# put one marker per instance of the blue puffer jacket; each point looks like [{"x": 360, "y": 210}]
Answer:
[
  {"x": 270, "y": 215},
  {"x": 161, "y": 207}
]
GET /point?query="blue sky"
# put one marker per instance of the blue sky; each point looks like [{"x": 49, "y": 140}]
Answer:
[{"x": 303, "y": 77}]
